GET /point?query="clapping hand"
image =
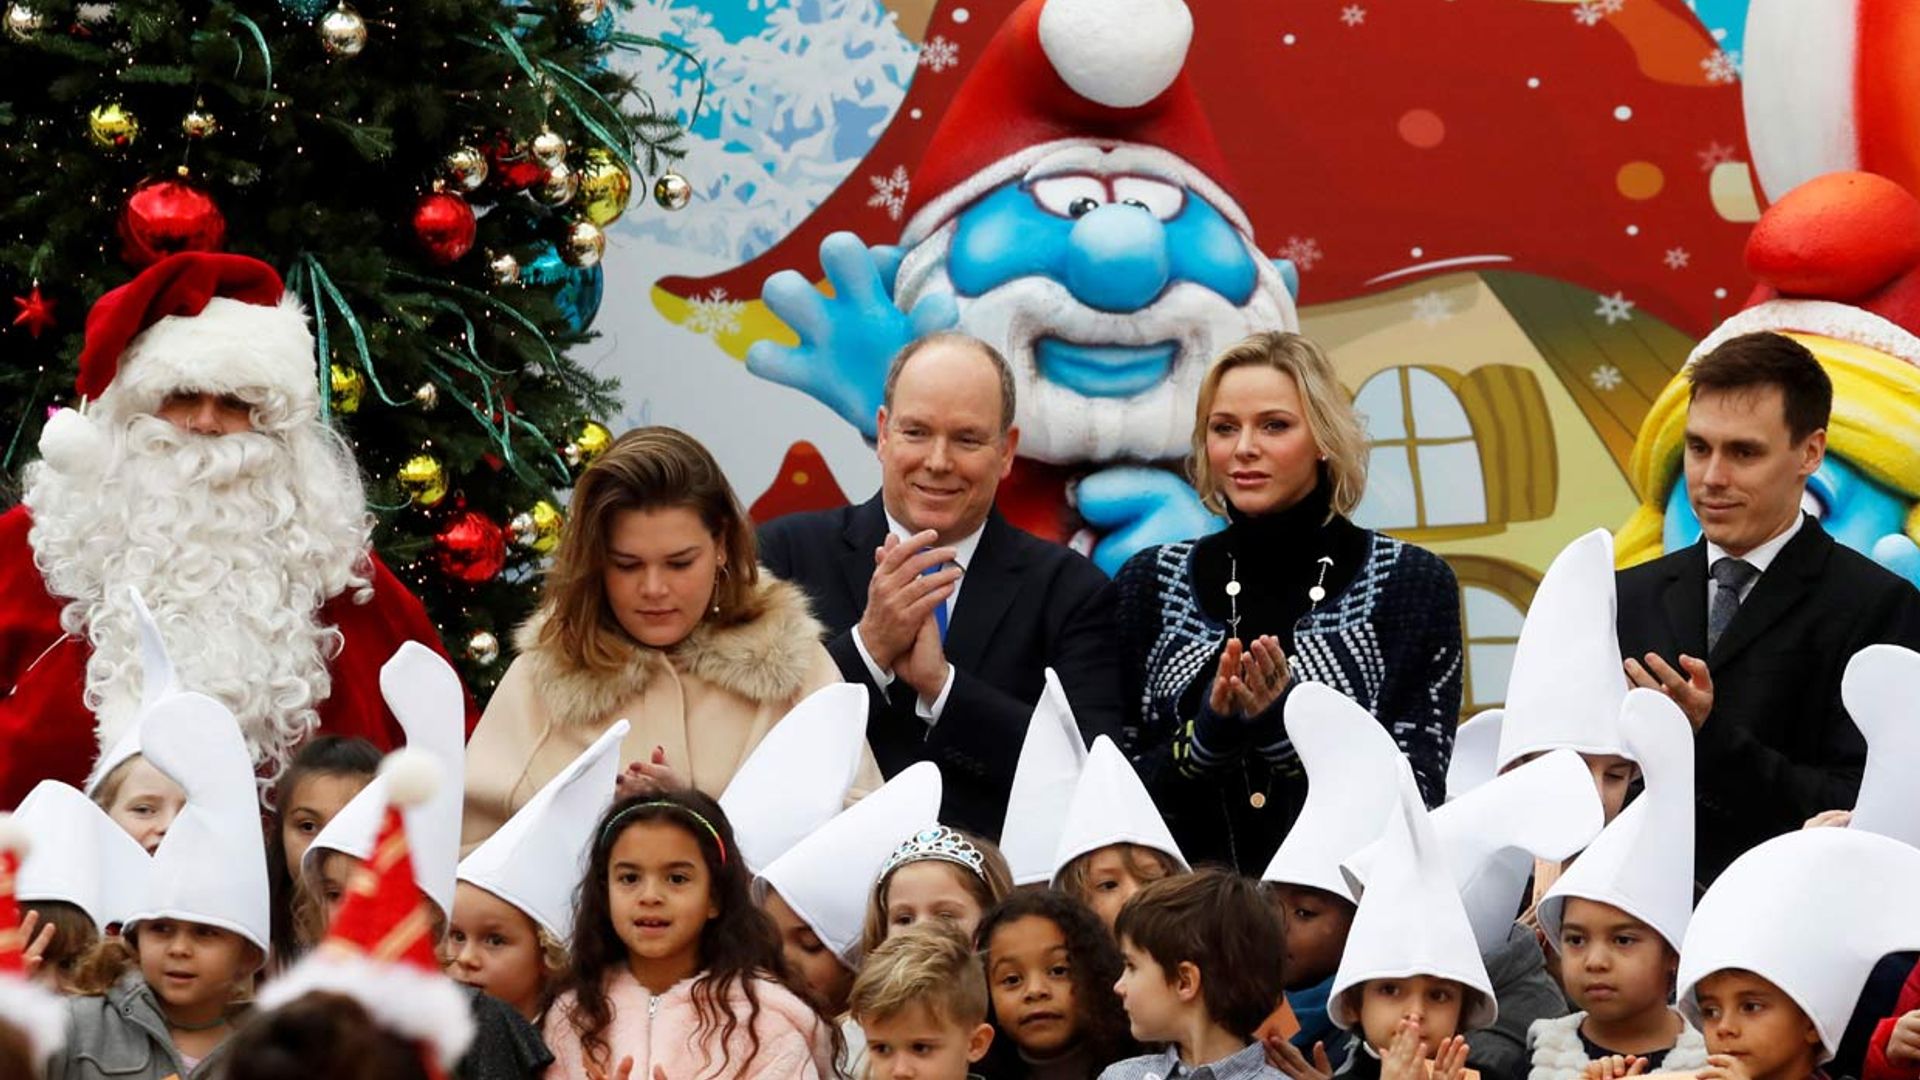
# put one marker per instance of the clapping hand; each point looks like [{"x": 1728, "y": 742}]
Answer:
[
  {"x": 1693, "y": 692},
  {"x": 623, "y": 1072},
  {"x": 1249, "y": 679},
  {"x": 1903, "y": 1046},
  {"x": 1283, "y": 1055},
  {"x": 653, "y": 777}
]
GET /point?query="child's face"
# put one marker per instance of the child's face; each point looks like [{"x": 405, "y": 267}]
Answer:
[
  {"x": 1431, "y": 1003},
  {"x": 1747, "y": 1017},
  {"x": 916, "y": 1044},
  {"x": 336, "y": 870},
  {"x": 1112, "y": 880},
  {"x": 495, "y": 947},
  {"x": 1317, "y": 922},
  {"x": 307, "y": 809},
  {"x": 1614, "y": 966},
  {"x": 1154, "y": 1004},
  {"x": 146, "y": 803},
  {"x": 193, "y": 967},
  {"x": 808, "y": 956},
  {"x": 931, "y": 889},
  {"x": 659, "y": 893},
  {"x": 1612, "y": 775},
  {"x": 1031, "y": 977}
]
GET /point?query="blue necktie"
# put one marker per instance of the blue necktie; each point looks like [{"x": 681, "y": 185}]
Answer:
[{"x": 940, "y": 610}]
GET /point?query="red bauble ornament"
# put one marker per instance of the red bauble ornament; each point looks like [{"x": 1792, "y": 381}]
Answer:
[
  {"x": 510, "y": 167},
  {"x": 471, "y": 548},
  {"x": 166, "y": 217},
  {"x": 443, "y": 223}
]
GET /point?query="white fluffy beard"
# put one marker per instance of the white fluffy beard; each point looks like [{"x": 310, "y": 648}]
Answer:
[
  {"x": 234, "y": 541},
  {"x": 1062, "y": 426}
]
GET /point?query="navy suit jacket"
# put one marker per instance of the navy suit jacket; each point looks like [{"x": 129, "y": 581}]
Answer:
[{"x": 1027, "y": 605}]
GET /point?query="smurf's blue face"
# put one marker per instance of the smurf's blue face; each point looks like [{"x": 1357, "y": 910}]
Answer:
[
  {"x": 1856, "y": 510},
  {"x": 1116, "y": 244}
]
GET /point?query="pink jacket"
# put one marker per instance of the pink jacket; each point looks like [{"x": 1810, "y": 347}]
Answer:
[{"x": 794, "y": 1044}]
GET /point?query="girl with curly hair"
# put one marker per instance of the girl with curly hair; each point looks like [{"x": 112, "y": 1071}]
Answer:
[{"x": 1051, "y": 966}]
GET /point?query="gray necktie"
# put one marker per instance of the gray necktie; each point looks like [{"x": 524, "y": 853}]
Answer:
[{"x": 1732, "y": 576}]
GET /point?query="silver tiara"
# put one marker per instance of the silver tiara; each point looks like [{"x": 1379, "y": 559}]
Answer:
[{"x": 941, "y": 843}]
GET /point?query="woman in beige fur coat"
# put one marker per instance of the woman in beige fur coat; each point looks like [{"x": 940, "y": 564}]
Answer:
[{"x": 657, "y": 612}]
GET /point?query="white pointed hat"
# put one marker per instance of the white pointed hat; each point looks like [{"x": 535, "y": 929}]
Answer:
[
  {"x": 80, "y": 856},
  {"x": 1111, "y": 806},
  {"x": 1879, "y": 689},
  {"x": 1051, "y": 757},
  {"x": 424, "y": 694},
  {"x": 1643, "y": 862},
  {"x": 157, "y": 680},
  {"x": 827, "y": 878},
  {"x": 797, "y": 779},
  {"x": 1476, "y": 750},
  {"x": 212, "y": 866},
  {"x": 536, "y": 860},
  {"x": 1410, "y": 920},
  {"x": 1567, "y": 680},
  {"x": 35, "y": 1012},
  {"x": 1351, "y": 764},
  {"x": 1811, "y": 912}
]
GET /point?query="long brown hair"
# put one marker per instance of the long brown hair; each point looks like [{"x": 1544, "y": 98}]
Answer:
[{"x": 649, "y": 468}]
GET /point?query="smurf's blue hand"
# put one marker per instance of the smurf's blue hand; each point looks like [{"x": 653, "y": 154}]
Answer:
[
  {"x": 846, "y": 340},
  {"x": 1899, "y": 554},
  {"x": 1137, "y": 507}
]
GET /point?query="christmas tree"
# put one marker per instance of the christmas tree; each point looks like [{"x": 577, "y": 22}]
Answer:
[{"x": 430, "y": 176}]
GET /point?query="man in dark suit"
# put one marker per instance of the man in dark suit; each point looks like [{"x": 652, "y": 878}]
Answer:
[
  {"x": 949, "y": 615},
  {"x": 1750, "y": 628}
]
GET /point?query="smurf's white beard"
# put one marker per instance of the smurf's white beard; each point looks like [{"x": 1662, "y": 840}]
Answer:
[
  {"x": 234, "y": 541},
  {"x": 1062, "y": 426}
]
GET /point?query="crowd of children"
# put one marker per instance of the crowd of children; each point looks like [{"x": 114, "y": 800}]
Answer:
[{"x": 1542, "y": 925}]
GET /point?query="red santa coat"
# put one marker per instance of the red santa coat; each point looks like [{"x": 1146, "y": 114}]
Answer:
[
  {"x": 1877, "y": 1066},
  {"x": 46, "y": 729}
]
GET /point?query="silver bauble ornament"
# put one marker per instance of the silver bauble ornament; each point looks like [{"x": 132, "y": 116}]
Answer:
[
  {"x": 343, "y": 32},
  {"x": 505, "y": 269},
  {"x": 584, "y": 245},
  {"x": 548, "y": 147},
  {"x": 558, "y": 186},
  {"x": 427, "y": 396},
  {"x": 24, "y": 21},
  {"x": 483, "y": 648},
  {"x": 466, "y": 167},
  {"x": 672, "y": 191}
]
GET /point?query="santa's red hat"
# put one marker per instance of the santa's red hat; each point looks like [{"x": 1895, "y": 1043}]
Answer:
[
  {"x": 1060, "y": 73},
  {"x": 39, "y": 1015},
  {"x": 379, "y": 950}
]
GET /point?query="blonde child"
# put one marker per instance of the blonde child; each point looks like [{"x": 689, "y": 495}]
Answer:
[
  {"x": 940, "y": 874},
  {"x": 1202, "y": 957},
  {"x": 1113, "y": 840},
  {"x": 1051, "y": 965},
  {"x": 674, "y": 969},
  {"x": 922, "y": 1002}
]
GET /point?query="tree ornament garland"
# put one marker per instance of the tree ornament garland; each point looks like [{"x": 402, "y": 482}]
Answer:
[
  {"x": 166, "y": 217},
  {"x": 424, "y": 480}
]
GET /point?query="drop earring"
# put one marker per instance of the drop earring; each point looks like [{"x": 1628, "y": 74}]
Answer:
[{"x": 718, "y": 580}]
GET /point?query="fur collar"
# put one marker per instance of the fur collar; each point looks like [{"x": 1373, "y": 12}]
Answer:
[
  {"x": 766, "y": 661},
  {"x": 1558, "y": 1053}
]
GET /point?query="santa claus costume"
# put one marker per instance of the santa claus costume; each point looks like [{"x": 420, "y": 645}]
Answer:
[{"x": 252, "y": 548}]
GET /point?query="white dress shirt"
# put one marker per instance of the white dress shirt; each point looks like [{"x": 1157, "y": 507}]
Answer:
[
  {"x": 963, "y": 556},
  {"x": 1759, "y": 558}
]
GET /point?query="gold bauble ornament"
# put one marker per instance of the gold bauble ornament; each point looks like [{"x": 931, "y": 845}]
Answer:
[
  {"x": 343, "y": 32},
  {"x": 112, "y": 126},
  {"x": 605, "y": 187},
  {"x": 424, "y": 480},
  {"x": 538, "y": 529},
  {"x": 483, "y": 648},
  {"x": 199, "y": 123},
  {"x": 504, "y": 268},
  {"x": 549, "y": 148},
  {"x": 24, "y": 21},
  {"x": 348, "y": 385},
  {"x": 592, "y": 441},
  {"x": 558, "y": 186},
  {"x": 584, "y": 245},
  {"x": 427, "y": 396},
  {"x": 587, "y": 11},
  {"x": 672, "y": 191},
  {"x": 466, "y": 167}
]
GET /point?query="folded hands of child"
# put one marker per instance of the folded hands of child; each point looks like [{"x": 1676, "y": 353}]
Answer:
[
  {"x": 1903, "y": 1046},
  {"x": 1616, "y": 1067},
  {"x": 1723, "y": 1067},
  {"x": 624, "y": 1072},
  {"x": 1407, "y": 1058}
]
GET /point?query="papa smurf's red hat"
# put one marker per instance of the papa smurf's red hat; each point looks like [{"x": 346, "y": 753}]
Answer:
[
  {"x": 39, "y": 1015},
  {"x": 1102, "y": 73},
  {"x": 379, "y": 950}
]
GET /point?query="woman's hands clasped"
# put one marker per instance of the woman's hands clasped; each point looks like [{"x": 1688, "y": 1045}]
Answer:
[{"x": 1250, "y": 678}]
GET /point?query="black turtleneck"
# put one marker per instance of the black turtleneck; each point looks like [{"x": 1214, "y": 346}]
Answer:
[{"x": 1277, "y": 558}]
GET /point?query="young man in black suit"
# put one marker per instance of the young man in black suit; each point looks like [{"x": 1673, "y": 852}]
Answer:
[
  {"x": 1750, "y": 629},
  {"x": 949, "y": 615}
]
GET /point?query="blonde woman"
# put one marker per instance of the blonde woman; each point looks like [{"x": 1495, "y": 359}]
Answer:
[
  {"x": 656, "y": 612},
  {"x": 1215, "y": 631}
]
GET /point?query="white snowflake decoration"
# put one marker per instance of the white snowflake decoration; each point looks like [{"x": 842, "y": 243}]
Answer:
[
  {"x": 1615, "y": 309},
  {"x": 890, "y": 191},
  {"x": 1677, "y": 258},
  {"x": 1303, "y": 252},
  {"x": 939, "y": 54},
  {"x": 1589, "y": 13},
  {"x": 1605, "y": 377},
  {"x": 714, "y": 314},
  {"x": 1353, "y": 15},
  {"x": 1432, "y": 308},
  {"x": 1722, "y": 66},
  {"x": 1715, "y": 155}
]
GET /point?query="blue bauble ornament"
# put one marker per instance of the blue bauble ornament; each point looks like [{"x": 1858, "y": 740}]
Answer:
[
  {"x": 576, "y": 290},
  {"x": 306, "y": 10}
]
